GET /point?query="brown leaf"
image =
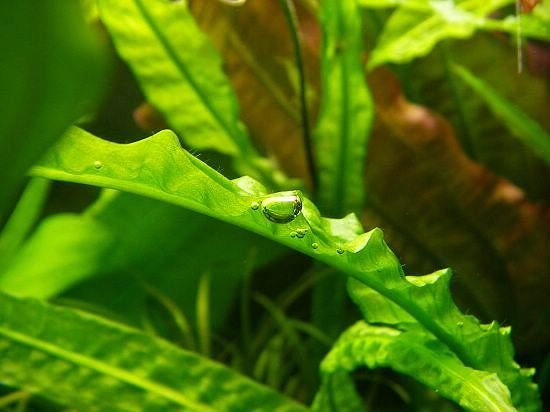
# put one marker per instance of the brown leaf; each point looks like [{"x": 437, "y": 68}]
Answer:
[{"x": 498, "y": 241}]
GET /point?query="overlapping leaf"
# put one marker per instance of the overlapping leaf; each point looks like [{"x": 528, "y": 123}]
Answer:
[
  {"x": 343, "y": 127},
  {"x": 101, "y": 366},
  {"x": 157, "y": 167},
  {"x": 417, "y": 26},
  {"x": 417, "y": 355},
  {"x": 181, "y": 74}
]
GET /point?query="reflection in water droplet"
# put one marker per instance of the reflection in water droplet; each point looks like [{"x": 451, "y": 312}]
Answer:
[
  {"x": 98, "y": 165},
  {"x": 339, "y": 251},
  {"x": 315, "y": 245},
  {"x": 301, "y": 232},
  {"x": 234, "y": 2},
  {"x": 254, "y": 205},
  {"x": 292, "y": 234},
  {"x": 282, "y": 207}
]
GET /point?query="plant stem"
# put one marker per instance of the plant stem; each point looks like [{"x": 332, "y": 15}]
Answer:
[{"x": 292, "y": 20}]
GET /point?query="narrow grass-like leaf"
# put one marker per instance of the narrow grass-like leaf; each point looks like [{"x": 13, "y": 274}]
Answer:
[
  {"x": 420, "y": 356},
  {"x": 157, "y": 167},
  {"x": 23, "y": 217},
  {"x": 101, "y": 366},
  {"x": 342, "y": 132},
  {"x": 520, "y": 124}
]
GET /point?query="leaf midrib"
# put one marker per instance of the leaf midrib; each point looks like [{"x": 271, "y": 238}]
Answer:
[
  {"x": 104, "y": 369},
  {"x": 172, "y": 54}
]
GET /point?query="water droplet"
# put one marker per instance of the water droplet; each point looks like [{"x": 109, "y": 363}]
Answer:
[
  {"x": 282, "y": 207},
  {"x": 315, "y": 245},
  {"x": 301, "y": 232},
  {"x": 340, "y": 251},
  {"x": 292, "y": 234},
  {"x": 460, "y": 324},
  {"x": 254, "y": 205},
  {"x": 98, "y": 165}
]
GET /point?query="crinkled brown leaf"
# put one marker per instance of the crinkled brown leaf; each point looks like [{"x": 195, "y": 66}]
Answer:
[{"x": 490, "y": 224}]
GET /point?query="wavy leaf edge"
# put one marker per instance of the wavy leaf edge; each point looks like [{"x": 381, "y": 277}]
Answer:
[{"x": 158, "y": 167}]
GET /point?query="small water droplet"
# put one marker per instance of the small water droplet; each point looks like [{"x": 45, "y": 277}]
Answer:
[
  {"x": 254, "y": 205},
  {"x": 282, "y": 207},
  {"x": 292, "y": 234},
  {"x": 340, "y": 251},
  {"x": 460, "y": 324},
  {"x": 301, "y": 232},
  {"x": 315, "y": 245},
  {"x": 98, "y": 165}
]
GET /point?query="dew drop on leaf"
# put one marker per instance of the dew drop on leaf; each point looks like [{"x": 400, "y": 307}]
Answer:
[
  {"x": 254, "y": 205},
  {"x": 315, "y": 245},
  {"x": 98, "y": 165},
  {"x": 340, "y": 251},
  {"x": 292, "y": 234},
  {"x": 301, "y": 233},
  {"x": 282, "y": 207}
]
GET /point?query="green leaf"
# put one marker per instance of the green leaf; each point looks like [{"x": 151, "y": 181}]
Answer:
[
  {"x": 102, "y": 366},
  {"x": 122, "y": 233},
  {"x": 157, "y": 167},
  {"x": 418, "y": 355},
  {"x": 23, "y": 217},
  {"x": 63, "y": 250},
  {"x": 162, "y": 44},
  {"x": 181, "y": 75},
  {"x": 343, "y": 128},
  {"x": 520, "y": 124},
  {"x": 47, "y": 78},
  {"x": 416, "y": 27},
  {"x": 472, "y": 348},
  {"x": 337, "y": 394}
]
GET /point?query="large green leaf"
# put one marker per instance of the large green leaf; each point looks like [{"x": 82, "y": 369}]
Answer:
[
  {"x": 417, "y": 355},
  {"x": 157, "y": 167},
  {"x": 101, "y": 366},
  {"x": 520, "y": 124},
  {"x": 51, "y": 69},
  {"x": 343, "y": 128}
]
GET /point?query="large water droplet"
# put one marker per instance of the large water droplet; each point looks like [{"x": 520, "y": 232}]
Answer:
[
  {"x": 282, "y": 207},
  {"x": 98, "y": 165}
]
